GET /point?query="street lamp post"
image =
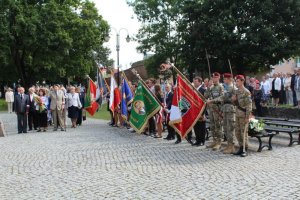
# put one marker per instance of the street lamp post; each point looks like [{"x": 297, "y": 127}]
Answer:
[{"x": 118, "y": 48}]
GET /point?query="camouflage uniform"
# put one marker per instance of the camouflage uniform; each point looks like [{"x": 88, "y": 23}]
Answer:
[
  {"x": 228, "y": 110},
  {"x": 215, "y": 115},
  {"x": 243, "y": 111}
]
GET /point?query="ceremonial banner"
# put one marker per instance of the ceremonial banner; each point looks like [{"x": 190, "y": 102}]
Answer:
[
  {"x": 187, "y": 107},
  {"x": 127, "y": 98},
  {"x": 90, "y": 96},
  {"x": 144, "y": 106},
  {"x": 115, "y": 97},
  {"x": 102, "y": 89}
]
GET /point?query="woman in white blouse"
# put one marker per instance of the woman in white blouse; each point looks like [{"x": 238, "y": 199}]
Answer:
[
  {"x": 74, "y": 104},
  {"x": 9, "y": 98}
]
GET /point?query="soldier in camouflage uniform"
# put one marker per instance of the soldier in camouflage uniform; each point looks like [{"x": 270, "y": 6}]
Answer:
[
  {"x": 243, "y": 103},
  {"x": 228, "y": 110},
  {"x": 215, "y": 115}
]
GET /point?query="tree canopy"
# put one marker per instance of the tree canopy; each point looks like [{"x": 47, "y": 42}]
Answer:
[
  {"x": 253, "y": 34},
  {"x": 49, "y": 39}
]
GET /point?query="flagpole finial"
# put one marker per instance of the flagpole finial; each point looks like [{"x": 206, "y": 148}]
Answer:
[
  {"x": 87, "y": 76},
  {"x": 135, "y": 73}
]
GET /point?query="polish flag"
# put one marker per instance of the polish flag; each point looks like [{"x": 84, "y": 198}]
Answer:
[{"x": 115, "y": 96}]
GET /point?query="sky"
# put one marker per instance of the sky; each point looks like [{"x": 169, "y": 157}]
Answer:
[{"x": 119, "y": 15}]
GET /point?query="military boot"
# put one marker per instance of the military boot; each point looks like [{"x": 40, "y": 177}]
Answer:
[
  {"x": 229, "y": 149},
  {"x": 239, "y": 152},
  {"x": 212, "y": 144},
  {"x": 245, "y": 154},
  {"x": 217, "y": 146}
]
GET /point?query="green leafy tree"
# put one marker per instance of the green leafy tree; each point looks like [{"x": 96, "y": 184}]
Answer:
[
  {"x": 159, "y": 32},
  {"x": 49, "y": 39},
  {"x": 253, "y": 34}
]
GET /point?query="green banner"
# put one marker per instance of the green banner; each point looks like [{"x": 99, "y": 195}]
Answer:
[{"x": 144, "y": 106}]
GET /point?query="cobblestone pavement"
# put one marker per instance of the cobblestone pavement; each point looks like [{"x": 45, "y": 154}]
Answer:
[{"x": 96, "y": 161}]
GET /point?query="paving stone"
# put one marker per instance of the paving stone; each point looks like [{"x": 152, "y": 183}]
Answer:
[{"x": 96, "y": 161}]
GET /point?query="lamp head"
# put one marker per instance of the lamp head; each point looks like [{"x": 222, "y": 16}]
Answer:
[{"x": 127, "y": 38}]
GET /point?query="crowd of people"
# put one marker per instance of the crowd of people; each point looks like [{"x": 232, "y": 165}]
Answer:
[
  {"x": 46, "y": 106},
  {"x": 280, "y": 88},
  {"x": 229, "y": 107}
]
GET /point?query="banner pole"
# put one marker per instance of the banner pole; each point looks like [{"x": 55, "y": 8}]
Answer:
[
  {"x": 208, "y": 63},
  {"x": 108, "y": 87},
  {"x": 183, "y": 76}
]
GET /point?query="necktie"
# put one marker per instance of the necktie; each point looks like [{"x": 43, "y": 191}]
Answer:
[{"x": 21, "y": 96}]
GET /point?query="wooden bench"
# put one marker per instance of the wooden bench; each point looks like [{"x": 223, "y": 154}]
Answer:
[
  {"x": 271, "y": 119},
  {"x": 263, "y": 134},
  {"x": 290, "y": 130}
]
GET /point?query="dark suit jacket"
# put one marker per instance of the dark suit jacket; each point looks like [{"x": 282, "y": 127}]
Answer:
[
  {"x": 81, "y": 97},
  {"x": 21, "y": 106},
  {"x": 31, "y": 104},
  {"x": 169, "y": 99},
  {"x": 293, "y": 81}
]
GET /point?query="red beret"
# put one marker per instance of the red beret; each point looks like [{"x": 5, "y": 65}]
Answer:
[
  {"x": 216, "y": 74},
  {"x": 227, "y": 75},
  {"x": 257, "y": 81},
  {"x": 241, "y": 77}
]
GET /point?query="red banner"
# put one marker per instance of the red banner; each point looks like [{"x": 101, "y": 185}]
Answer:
[{"x": 187, "y": 107}]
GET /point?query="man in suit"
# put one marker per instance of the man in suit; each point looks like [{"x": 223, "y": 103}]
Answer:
[
  {"x": 21, "y": 108},
  {"x": 169, "y": 97},
  {"x": 32, "y": 115},
  {"x": 57, "y": 107},
  {"x": 297, "y": 87},
  {"x": 293, "y": 81},
  {"x": 199, "y": 127}
]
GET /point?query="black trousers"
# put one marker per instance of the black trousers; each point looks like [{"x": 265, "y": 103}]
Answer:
[
  {"x": 171, "y": 132},
  {"x": 22, "y": 122},
  {"x": 43, "y": 119},
  {"x": 178, "y": 136},
  {"x": 33, "y": 119},
  {"x": 79, "y": 119},
  {"x": 295, "y": 98},
  {"x": 258, "y": 107},
  {"x": 200, "y": 132},
  {"x": 152, "y": 127}
]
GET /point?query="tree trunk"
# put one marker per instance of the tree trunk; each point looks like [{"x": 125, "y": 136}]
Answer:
[{"x": 20, "y": 65}]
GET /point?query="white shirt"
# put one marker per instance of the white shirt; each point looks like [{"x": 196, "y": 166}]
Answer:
[
  {"x": 73, "y": 100},
  {"x": 266, "y": 86},
  {"x": 277, "y": 84},
  {"x": 31, "y": 97},
  {"x": 287, "y": 83}
]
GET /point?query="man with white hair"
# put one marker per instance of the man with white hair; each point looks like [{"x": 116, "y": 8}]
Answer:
[{"x": 21, "y": 108}]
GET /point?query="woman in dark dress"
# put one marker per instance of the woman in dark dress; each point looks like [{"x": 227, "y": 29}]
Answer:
[
  {"x": 42, "y": 103},
  {"x": 257, "y": 96},
  {"x": 73, "y": 104}
]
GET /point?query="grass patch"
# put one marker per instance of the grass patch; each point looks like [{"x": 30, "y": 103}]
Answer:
[
  {"x": 101, "y": 114},
  {"x": 3, "y": 105}
]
